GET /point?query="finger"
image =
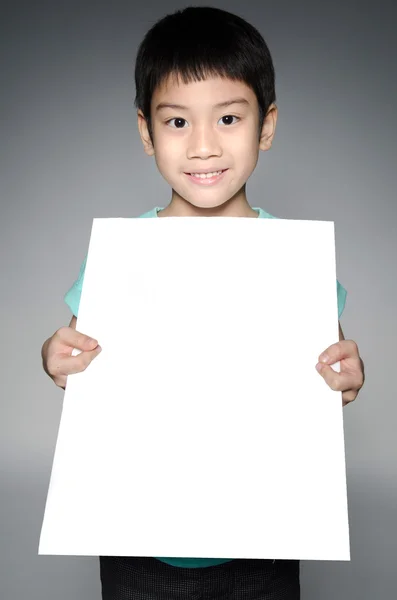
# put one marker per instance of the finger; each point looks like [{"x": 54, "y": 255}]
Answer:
[
  {"x": 69, "y": 365},
  {"x": 339, "y": 382},
  {"x": 349, "y": 396},
  {"x": 339, "y": 351},
  {"x": 75, "y": 339}
]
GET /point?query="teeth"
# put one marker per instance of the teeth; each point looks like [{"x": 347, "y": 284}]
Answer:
[{"x": 206, "y": 175}]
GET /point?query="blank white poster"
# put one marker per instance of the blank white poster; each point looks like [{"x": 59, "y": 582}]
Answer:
[{"x": 203, "y": 429}]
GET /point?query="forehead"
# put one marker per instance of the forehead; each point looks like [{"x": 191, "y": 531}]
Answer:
[{"x": 209, "y": 91}]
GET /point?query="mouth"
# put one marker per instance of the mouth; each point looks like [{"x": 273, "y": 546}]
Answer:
[{"x": 206, "y": 177}]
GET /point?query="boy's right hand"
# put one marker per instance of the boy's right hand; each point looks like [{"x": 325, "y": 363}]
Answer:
[{"x": 56, "y": 353}]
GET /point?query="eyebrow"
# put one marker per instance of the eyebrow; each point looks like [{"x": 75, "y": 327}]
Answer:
[{"x": 219, "y": 105}]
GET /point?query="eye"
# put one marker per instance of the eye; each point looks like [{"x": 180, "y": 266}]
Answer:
[
  {"x": 179, "y": 123},
  {"x": 228, "y": 118}
]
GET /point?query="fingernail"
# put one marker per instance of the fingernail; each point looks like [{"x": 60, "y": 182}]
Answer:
[
  {"x": 99, "y": 349},
  {"x": 324, "y": 358},
  {"x": 319, "y": 367}
]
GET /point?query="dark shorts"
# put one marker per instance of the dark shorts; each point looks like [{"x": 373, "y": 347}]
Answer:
[{"x": 125, "y": 578}]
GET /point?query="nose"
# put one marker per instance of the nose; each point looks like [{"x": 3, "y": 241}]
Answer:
[{"x": 203, "y": 143}]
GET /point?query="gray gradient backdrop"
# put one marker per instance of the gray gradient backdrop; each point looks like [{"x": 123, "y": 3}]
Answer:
[{"x": 70, "y": 152}]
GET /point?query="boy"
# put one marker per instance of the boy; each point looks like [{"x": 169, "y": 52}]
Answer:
[{"x": 206, "y": 106}]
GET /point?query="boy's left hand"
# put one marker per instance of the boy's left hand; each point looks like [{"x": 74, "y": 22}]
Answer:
[{"x": 351, "y": 377}]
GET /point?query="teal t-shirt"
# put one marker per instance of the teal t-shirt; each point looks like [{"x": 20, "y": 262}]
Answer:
[{"x": 72, "y": 299}]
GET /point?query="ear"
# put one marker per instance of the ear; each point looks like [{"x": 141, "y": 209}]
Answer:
[
  {"x": 268, "y": 128},
  {"x": 144, "y": 133}
]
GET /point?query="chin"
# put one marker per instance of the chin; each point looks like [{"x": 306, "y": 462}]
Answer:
[
  {"x": 206, "y": 201},
  {"x": 208, "y": 204}
]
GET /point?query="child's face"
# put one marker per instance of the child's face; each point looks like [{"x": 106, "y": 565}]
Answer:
[{"x": 201, "y": 136}]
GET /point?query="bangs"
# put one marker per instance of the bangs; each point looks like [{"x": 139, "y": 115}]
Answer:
[{"x": 198, "y": 43}]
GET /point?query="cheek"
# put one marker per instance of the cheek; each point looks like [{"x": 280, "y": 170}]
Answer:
[
  {"x": 247, "y": 154},
  {"x": 246, "y": 142},
  {"x": 167, "y": 153}
]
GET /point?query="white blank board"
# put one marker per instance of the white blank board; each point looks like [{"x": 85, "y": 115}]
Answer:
[{"x": 203, "y": 429}]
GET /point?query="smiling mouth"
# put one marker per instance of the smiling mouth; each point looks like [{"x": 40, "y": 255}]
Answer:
[
  {"x": 208, "y": 179},
  {"x": 208, "y": 174}
]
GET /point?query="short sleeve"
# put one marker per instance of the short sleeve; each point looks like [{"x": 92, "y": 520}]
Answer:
[
  {"x": 72, "y": 297},
  {"x": 341, "y": 293}
]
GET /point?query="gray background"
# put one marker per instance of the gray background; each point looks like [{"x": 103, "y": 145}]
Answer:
[{"x": 70, "y": 151}]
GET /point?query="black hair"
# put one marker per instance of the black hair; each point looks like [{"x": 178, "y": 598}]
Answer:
[{"x": 201, "y": 41}]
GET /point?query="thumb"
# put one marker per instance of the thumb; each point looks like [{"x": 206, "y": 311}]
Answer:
[
  {"x": 79, "y": 361},
  {"x": 336, "y": 381}
]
